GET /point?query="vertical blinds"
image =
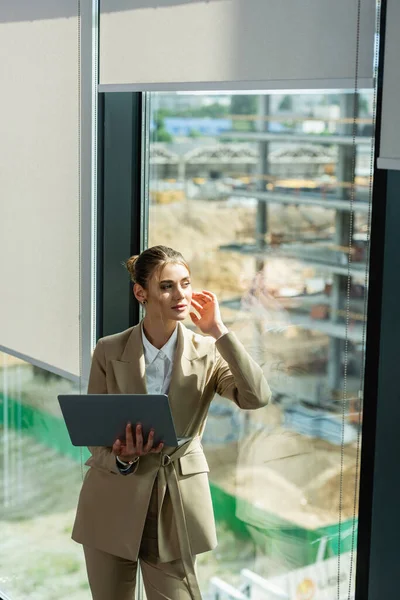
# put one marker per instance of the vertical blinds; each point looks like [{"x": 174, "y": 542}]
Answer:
[
  {"x": 252, "y": 43},
  {"x": 39, "y": 173}
]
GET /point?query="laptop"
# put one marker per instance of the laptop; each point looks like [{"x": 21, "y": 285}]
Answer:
[{"x": 99, "y": 419}]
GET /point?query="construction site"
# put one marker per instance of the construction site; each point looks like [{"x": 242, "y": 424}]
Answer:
[{"x": 278, "y": 229}]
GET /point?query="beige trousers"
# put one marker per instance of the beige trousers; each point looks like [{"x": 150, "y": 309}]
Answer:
[{"x": 114, "y": 578}]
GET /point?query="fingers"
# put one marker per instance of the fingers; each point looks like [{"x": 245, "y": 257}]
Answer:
[
  {"x": 206, "y": 295},
  {"x": 139, "y": 440},
  {"x": 129, "y": 436},
  {"x": 200, "y": 297},
  {"x": 150, "y": 442},
  {"x": 196, "y": 305},
  {"x": 158, "y": 448},
  {"x": 130, "y": 449},
  {"x": 117, "y": 447},
  {"x": 202, "y": 301},
  {"x": 148, "y": 449},
  {"x": 194, "y": 318},
  {"x": 211, "y": 298},
  {"x": 204, "y": 298}
]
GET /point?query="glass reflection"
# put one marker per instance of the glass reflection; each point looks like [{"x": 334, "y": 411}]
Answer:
[
  {"x": 41, "y": 478},
  {"x": 258, "y": 191}
]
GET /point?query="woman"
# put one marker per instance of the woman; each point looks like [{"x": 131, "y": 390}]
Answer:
[{"x": 154, "y": 503}]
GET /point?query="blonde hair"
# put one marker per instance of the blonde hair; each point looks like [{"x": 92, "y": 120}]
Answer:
[{"x": 142, "y": 267}]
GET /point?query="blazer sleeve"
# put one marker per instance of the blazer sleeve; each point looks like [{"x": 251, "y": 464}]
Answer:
[
  {"x": 102, "y": 456},
  {"x": 237, "y": 376}
]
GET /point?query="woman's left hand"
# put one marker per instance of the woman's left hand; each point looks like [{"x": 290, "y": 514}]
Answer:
[{"x": 210, "y": 321}]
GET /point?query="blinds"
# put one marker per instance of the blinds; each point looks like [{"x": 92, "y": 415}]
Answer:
[
  {"x": 390, "y": 129},
  {"x": 39, "y": 182},
  {"x": 202, "y": 44}
]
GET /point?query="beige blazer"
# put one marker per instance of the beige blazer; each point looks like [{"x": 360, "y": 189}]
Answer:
[{"x": 112, "y": 507}]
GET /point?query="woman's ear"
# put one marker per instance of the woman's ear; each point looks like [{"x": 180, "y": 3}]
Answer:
[{"x": 139, "y": 293}]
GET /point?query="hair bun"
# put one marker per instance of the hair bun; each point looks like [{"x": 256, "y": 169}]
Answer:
[{"x": 130, "y": 265}]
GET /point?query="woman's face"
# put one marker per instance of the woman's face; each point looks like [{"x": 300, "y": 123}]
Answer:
[{"x": 170, "y": 293}]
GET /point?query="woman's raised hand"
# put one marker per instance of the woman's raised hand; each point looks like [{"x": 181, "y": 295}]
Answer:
[
  {"x": 132, "y": 449},
  {"x": 209, "y": 320}
]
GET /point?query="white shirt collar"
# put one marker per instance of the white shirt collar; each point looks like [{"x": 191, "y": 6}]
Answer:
[{"x": 151, "y": 352}]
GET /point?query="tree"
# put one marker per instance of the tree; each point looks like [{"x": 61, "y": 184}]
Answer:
[
  {"x": 194, "y": 133},
  {"x": 244, "y": 105},
  {"x": 160, "y": 134},
  {"x": 363, "y": 107},
  {"x": 215, "y": 111},
  {"x": 286, "y": 103}
]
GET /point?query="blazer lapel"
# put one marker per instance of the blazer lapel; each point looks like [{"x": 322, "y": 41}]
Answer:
[
  {"x": 187, "y": 380},
  {"x": 129, "y": 371}
]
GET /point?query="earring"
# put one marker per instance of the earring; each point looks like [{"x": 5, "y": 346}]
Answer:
[{"x": 144, "y": 302}]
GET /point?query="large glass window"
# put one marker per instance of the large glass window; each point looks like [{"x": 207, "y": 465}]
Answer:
[
  {"x": 267, "y": 196},
  {"x": 41, "y": 479}
]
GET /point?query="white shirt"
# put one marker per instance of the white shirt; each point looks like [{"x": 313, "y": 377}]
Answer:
[
  {"x": 159, "y": 363},
  {"x": 158, "y": 366}
]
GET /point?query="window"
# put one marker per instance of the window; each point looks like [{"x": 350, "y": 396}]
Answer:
[
  {"x": 41, "y": 479},
  {"x": 255, "y": 190}
]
